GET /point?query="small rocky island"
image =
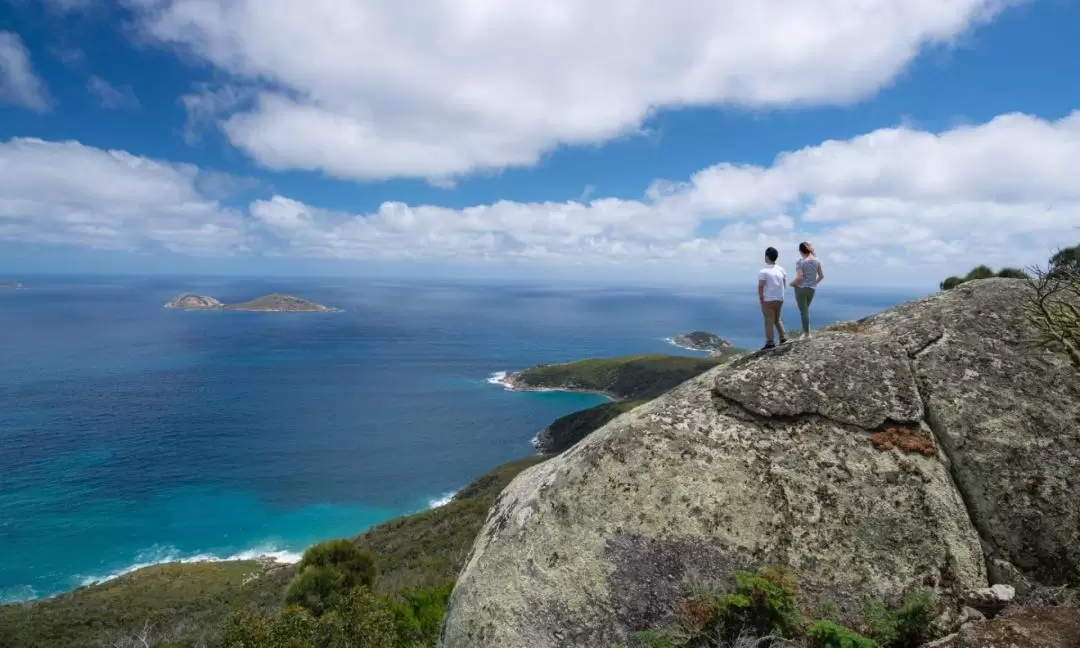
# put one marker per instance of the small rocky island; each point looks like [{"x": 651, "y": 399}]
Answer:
[
  {"x": 264, "y": 304},
  {"x": 8, "y": 284},
  {"x": 702, "y": 341}
]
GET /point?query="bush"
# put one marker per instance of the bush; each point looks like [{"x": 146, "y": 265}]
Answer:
[
  {"x": 363, "y": 619},
  {"x": 1012, "y": 273},
  {"x": 907, "y": 627},
  {"x": 359, "y": 620},
  {"x": 1052, "y": 307},
  {"x": 979, "y": 272},
  {"x": 765, "y": 603},
  {"x": 1066, "y": 261},
  {"x": 292, "y": 627},
  {"x": 418, "y": 615},
  {"x": 951, "y": 282},
  {"x": 762, "y": 604},
  {"x": 245, "y": 629},
  {"x": 328, "y": 572},
  {"x": 826, "y": 634}
]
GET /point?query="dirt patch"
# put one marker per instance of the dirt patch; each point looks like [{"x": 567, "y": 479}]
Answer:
[
  {"x": 906, "y": 439},
  {"x": 1057, "y": 627}
]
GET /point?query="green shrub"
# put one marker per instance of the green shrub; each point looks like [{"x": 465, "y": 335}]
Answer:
[
  {"x": 292, "y": 627},
  {"x": 656, "y": 639},
  {"x": 328, "y": 572},
  {"x": 1012, "y": 273},
  {"x": 827, "y": 610},
  {"x": 951, "y": 282},
  {"x": 915, "y": 618},
  {"x": 1066, "y": 261},
  {"x": 418, "y": 615},
  {"x": 907, "y": 627},
  {"x": 826, "y": 634},
  {"x": 245, "y": 629},
  {"x": 363, "y": 619},
  {"x": 880, "y": 623},
  {"x": 765, "y": 603},
  {"x": 979, "y": 272}
]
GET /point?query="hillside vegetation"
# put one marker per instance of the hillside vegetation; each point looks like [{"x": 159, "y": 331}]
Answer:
[
  {"x": 416, "y": 558},
  {"x": 187, "y": 605},
  {"x": 177, "y": 604},
  {"x": 983, "y": 272},
  {"x": 628, "y": 378}
]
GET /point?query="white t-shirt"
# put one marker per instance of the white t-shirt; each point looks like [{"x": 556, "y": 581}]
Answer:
[{"x": 775, "y": 281}]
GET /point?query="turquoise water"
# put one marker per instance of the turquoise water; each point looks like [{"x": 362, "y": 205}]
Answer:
[{"x": 131, "y": 434}]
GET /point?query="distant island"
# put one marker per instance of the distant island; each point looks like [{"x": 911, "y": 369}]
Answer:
[
  {"x": 702, "y": 341},
  {"x": 264, "y": 304},
  {"x": 10, "y": 284}
]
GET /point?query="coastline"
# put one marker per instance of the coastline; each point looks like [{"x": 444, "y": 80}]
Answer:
[
  {"x": 505, "y": 379},
  {"x": 675, "y": 344},
  {"x": 166, "y": 555}
]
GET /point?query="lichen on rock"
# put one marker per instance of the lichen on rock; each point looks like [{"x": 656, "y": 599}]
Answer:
[{"x": 772, "y": 460}]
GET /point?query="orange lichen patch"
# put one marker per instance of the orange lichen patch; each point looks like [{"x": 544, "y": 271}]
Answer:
[{"x": 906, "y": 439}]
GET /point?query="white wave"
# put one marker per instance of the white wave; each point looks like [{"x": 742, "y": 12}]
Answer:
[
  {"x": 17, "y": 594},
  {"x": 672, "y": 342},
  {"x": 499, "y": 378},
  {"x": 163, "y": 555},
  {"x": 441, "y": 501}
]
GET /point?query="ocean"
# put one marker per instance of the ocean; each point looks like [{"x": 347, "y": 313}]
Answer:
[{"x": 132, "y": 435}]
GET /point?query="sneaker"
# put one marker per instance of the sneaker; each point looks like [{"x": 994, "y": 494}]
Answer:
[
  {"x": 783, "y": 340},
  {"x": 768, "y": 345}
]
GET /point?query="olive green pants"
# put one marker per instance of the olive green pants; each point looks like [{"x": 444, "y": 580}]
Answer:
[{"x": 804, "y": 297}]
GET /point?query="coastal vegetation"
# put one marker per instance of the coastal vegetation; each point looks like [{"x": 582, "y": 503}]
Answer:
[
  {"x": 632, "y": 381},
  {"x": 629, "y": 378},
  {"x": 406, "y": 567}
]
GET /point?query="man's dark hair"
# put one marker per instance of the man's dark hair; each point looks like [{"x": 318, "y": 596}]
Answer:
[{"x": 772, "y": 255}]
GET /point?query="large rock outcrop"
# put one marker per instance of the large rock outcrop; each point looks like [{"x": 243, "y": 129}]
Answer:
[{"x": 912, "y": 448}]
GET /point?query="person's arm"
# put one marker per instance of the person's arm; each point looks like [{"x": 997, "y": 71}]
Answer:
[
  {"x": 798, "y": 278},
  {"x": 820, "y": 273},
  {"x": 761, "y": 289}
]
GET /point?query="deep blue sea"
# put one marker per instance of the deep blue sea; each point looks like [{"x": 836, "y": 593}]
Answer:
[{"x": 131, "y": 434}]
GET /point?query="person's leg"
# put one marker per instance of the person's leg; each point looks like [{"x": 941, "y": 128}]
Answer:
[
  {"x": 779, "y": 307},
  {"x": 766, "y": 313},
  {"x": 802, "y": 298}
]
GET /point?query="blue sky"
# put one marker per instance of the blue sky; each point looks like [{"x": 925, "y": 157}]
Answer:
[{"x": 557, "y": 138}]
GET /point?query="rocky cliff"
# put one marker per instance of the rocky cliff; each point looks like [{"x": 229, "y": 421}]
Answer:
[{"x": 934, "y": 444}]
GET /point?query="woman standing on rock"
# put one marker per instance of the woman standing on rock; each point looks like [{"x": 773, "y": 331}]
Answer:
[{"x": 808, "y": 274}]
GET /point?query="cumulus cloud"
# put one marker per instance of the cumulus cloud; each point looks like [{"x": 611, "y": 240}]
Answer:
[
  {"x": 19, "y": 85},
  {"x": 1000, "y": 192},
  {"x": 113, "y": 97},
  {"x": 898, "y": 205},
  {"x": 66, "y": 192},
  {"x": 381, "y": 88}
]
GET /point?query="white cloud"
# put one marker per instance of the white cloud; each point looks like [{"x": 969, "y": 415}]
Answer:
[
  {"x": 18, "y": 83},
  {"x": 66, "y": 192},
  {"x": 373, "y": 89},
  {"x": 113, "y": 97},
  {"x": 1000, "y": 192},
  {"x": 897, "y": 205}
]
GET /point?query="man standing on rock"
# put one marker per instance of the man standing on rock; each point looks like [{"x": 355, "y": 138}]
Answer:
[{"x": 772, "y": 284}]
